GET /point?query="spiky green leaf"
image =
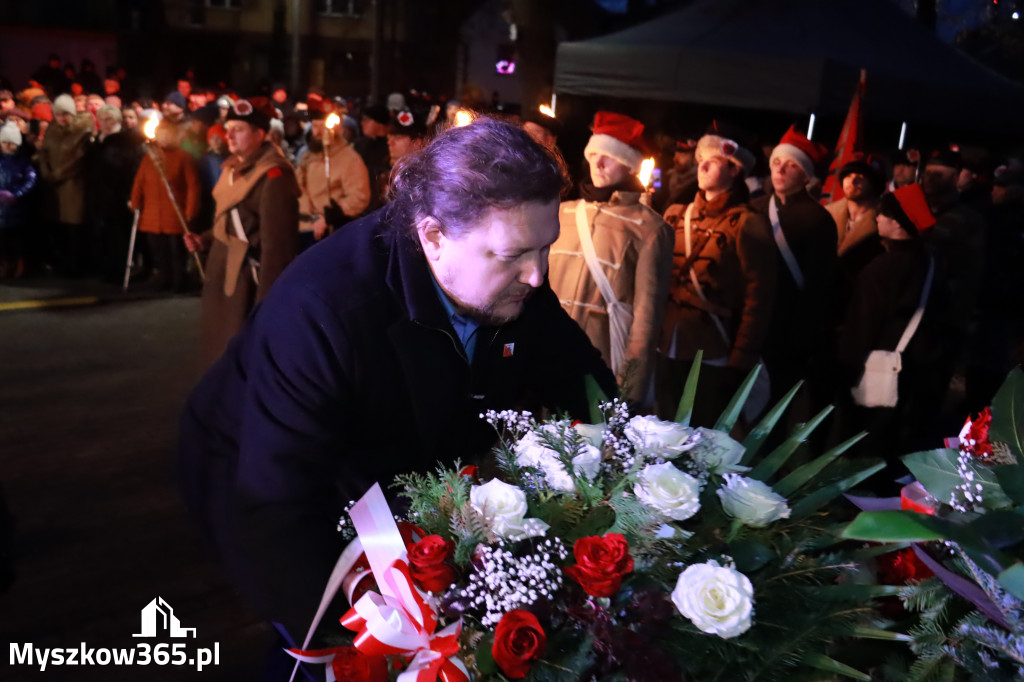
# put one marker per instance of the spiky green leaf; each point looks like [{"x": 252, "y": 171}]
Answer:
[
  {"x": 685, "y": 409},
  {"x": 735, "y": 407},
  {"x": 800, "y": 477},
  {"x": 759, "y": 433},
  {"x": 767, "y": 467}
]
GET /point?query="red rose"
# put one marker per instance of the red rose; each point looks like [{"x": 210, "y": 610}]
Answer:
[
  {"x": 469, "y": 471},
  {"x": 427, "y": 563},
  {"x": 977, "y": 441},
  {"x": 350, "y": 664},
  {"x": 902, "y": 567},
  {"x": 518, "y": 641},
  {"x": 600, "y": 564}
]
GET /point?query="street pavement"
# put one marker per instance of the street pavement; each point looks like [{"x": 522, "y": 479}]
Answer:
[{"x": 90, "y": 390}]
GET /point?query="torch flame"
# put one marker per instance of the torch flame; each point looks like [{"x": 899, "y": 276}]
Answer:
[
  {"x": 150, "y": 128},
  {"x": 546, "y": 110},
  {"x": 332, "y": 121},
  {"x": 646, "y": 170},
  {"x": 463, "y": 117}
]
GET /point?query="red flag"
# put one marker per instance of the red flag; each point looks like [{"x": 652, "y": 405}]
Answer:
[{"x": 851, "y": 143}]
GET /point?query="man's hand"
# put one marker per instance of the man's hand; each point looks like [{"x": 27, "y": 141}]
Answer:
[
  {"x": 196, "y": 242},
  {"x": 334, "y": 216},
  {"x": 320, "y": 228}
]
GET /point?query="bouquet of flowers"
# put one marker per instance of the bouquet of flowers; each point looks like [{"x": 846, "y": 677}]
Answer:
[
  {"x": 625, "y": 549},
  {"x": 962, "y": 521}
]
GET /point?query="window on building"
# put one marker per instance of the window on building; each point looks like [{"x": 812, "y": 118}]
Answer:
[
  {"x": 225, "y": 4},
  {"x": 342, "y": 8}
]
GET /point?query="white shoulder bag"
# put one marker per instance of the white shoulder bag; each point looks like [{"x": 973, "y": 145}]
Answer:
[
  {"x": 620, "y": 313},
  {"x": 879, "y": 385}
]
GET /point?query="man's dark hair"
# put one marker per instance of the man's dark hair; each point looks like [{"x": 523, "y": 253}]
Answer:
[{"x": 466, "y": 172}]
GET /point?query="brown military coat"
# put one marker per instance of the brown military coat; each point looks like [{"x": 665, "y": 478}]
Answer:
[
  {"x": 264, "y": 191},
  {"x": 634, "y": 247},
  {"x": 736, "y": 268}
]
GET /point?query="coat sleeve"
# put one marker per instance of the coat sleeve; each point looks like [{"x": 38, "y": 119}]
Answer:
[
  {"x": 302, "y": 177},
  {"x": 355, "y": 185},
  {"x": 194, "y": 190},
  {"x": 138, "y": 187},
  {"x": 28, "y": 181},
  {"x": 296, "y": 414},
  {"x": 650, "y": 296},
  {"x": 756, "y": 250},
  {"x": 279, "y": 227},
  {"x": 567, "y": 359}
]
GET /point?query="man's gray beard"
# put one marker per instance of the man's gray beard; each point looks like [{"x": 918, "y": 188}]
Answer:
[{"x": 485, "y": 316}]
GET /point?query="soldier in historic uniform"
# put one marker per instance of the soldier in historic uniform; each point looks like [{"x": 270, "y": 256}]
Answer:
[{"x": 255, "y": 228}]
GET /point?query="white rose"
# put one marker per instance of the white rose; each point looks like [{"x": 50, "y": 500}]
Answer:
[
  {"x": 751, "y": 501},
  {"x": 720, "y": 453},
  {"x": 662, "y": 439},
  {"x": 719, "y": 600},
  {"x": 672, "y": 492},
  {"x": 504, "y": 506},
  {"x": 532, "y": 451}
]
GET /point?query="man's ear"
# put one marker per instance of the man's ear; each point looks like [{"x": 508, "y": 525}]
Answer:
[{"x": 431, "y": 237}]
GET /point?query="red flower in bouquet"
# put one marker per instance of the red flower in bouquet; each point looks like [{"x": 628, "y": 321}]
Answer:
[
  {"x": 975, "y": 441},
  {"x": 601, "y": 562},
  {"x": 469, "y": 471},
  {"x": 350, "y": 664},
  {"x": 519, "y": 640},
  {"x": 902, "y": 567},
  {"x": 427, "y": 563}
]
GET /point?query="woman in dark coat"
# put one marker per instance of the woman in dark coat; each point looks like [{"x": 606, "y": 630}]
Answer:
[
  {"x": 17, "y": 178},
  {"x": 111, "y": 164},
  {"x": 885, "y": 295}
]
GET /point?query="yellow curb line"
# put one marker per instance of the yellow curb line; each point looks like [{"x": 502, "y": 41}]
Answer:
[{"x": 48, "y": 303}]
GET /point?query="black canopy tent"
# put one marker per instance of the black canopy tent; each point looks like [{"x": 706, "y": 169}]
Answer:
[{"x": 797, "y": 56}]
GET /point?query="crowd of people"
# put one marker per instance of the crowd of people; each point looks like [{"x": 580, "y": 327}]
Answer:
[{"x": 735, "y": 253}]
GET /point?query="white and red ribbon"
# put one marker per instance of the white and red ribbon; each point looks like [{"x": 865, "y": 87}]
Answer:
[{"x": 398, "y": 620}]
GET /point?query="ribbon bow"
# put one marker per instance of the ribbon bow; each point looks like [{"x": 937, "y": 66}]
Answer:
[{"x": 398, "y": 620}]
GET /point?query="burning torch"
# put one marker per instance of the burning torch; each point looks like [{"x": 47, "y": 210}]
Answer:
[
  {"x": 645, "y": 174},
  {"x": 156, "y": 155},
  {"x": 332, "y": 121}
]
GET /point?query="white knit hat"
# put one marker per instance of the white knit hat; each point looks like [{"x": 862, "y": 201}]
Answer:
[
  {"x": 64, "y": 104},
  {"x": 9, "y": 133}
]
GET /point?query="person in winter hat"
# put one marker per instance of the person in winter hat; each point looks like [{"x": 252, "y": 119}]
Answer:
[
  {"x": 723, "y": 279},
  {"x": 618, "y": 293},
  {"x": 62, "y": 159},
  {"x": 799, "y": 343},
  {"x": 17, "y": 178},
  {"x": 884, "y": 298},
  {"x": 855, "y": 215}
]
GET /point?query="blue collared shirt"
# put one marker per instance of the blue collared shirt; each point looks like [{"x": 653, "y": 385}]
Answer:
[{"x": 465, "y": 328}]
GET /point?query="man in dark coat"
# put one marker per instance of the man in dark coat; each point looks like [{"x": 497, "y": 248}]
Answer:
[
  {"x": 376, "y": 353},
  {"x": 799, "y": 337}
]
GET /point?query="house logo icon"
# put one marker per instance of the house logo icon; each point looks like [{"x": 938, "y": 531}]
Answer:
[{"x": 158, "y": 619}]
